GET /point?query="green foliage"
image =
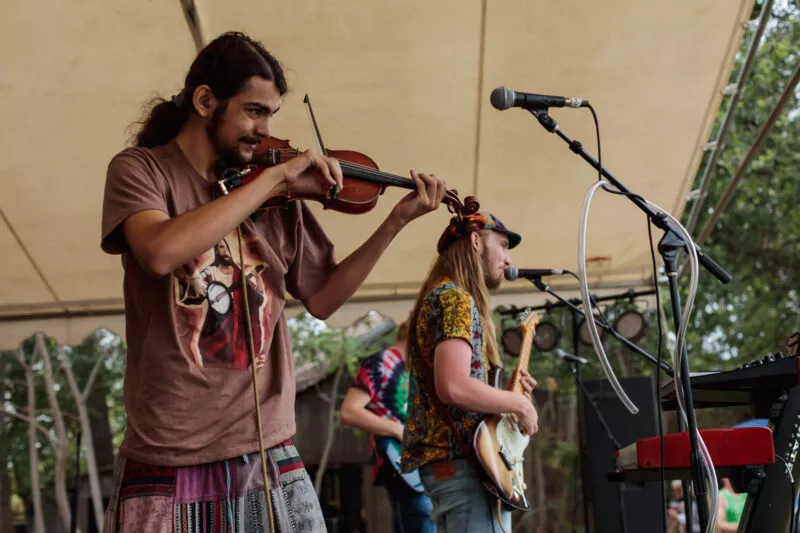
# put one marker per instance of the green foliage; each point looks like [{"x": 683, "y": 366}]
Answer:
[
  {"x": 314, "y": 342},
  {"x": 758, "y": 237}
]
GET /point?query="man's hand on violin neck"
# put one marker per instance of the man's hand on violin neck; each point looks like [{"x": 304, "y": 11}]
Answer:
[
  {"x": 427, "y": 197},
  {"x": 311, "y": 173}
]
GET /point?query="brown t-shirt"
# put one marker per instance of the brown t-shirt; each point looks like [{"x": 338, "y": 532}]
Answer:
[{"x": 188, "y": 388}]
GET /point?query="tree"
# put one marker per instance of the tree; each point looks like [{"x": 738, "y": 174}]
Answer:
[
  {"x": 758, "y": 237},
  {"x": 46, "y": 374}
]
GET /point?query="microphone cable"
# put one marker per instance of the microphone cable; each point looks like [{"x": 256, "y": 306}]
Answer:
[
  {"x": 658, "y": 374},
  {"x": 597, "y": 132}
]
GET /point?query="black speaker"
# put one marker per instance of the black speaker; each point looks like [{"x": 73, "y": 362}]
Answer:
[{"x": 614, "y": 507}]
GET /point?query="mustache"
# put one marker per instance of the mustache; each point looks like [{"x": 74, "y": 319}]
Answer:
[{"x": 250, "y": 140}]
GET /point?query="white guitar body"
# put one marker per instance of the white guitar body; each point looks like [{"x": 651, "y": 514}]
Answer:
[
  {"x": 512, "y": 449},
  {"x": 501, "y": 449},
  {"x": 500, "y": 446}
]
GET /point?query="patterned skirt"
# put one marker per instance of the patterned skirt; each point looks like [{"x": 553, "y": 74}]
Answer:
[{"x": 222, "y": 497}]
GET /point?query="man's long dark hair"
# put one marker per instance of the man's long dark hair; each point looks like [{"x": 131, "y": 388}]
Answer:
[{"x": 225, "y": 65}]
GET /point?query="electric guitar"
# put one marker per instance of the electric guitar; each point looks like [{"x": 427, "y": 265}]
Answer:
[
  {"x": 390, "y": 448},
  {"x": 499, "y": 445}
]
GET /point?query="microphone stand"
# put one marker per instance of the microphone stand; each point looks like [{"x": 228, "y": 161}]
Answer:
[
  {"x": 628, "y": 344},
  {"x": 669, "y": 246}
]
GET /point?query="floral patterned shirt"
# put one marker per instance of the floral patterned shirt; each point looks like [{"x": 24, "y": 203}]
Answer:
[{"x": 447, "y": 312}]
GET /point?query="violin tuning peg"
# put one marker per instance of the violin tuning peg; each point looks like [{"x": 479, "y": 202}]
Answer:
[{"x": 471, "y": 206}]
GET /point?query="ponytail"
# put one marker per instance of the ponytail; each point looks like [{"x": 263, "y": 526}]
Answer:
[{"x": 163, "y": 123}]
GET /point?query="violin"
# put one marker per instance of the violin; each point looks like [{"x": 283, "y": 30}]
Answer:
[{"x": 362, "y": 186}]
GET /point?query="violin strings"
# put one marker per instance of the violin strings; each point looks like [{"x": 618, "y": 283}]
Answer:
[
  {"x": 377, "y": 175},
  {"x": 367, "y": 172},
  {"x": 360, "y": 168}
]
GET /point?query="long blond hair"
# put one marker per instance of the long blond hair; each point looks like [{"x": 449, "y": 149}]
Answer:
[{"x": 462, "y": 264}]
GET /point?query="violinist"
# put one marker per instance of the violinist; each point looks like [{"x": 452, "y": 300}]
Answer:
[{"x": 209, "y": 382}]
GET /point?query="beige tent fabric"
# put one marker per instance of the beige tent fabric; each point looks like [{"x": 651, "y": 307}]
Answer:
[{"x": 404, "y": 82}]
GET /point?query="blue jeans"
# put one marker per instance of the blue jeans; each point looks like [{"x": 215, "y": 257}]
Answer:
[
  {"x": 411, "y": 510},
  {"x": 461, "y": 504}
]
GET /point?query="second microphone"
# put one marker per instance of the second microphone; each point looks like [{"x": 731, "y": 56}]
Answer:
[{"x": 513, "y": 273}]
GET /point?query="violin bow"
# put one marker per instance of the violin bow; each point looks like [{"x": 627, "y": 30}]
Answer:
[{"x": 333, "y": 192}]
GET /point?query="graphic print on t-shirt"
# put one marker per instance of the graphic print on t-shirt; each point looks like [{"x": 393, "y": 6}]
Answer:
[{"x": 210, "y": 305}]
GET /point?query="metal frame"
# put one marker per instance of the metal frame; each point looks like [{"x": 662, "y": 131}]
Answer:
[{"x": 744, "y": 74}]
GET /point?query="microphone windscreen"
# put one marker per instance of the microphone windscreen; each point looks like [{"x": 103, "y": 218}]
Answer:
[
  {"x": 511, "y": 273},
  {"x": 502, "y": 98}
]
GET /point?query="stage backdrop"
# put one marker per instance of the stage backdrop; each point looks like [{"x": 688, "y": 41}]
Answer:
[{"x": 407, "y": 83}]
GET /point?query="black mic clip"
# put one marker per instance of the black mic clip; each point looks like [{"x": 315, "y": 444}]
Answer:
[
  {"x": 539, "y": 284},
  {"x": 544, "y": 119}
]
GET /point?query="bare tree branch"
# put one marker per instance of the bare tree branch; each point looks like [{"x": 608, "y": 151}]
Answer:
[
  {"x": 321, "y": 394},
  {"x": 87, "y": 388},
  {"x": 86, "y": 429},
  {"x": 36, "y": 492},
  {"x": 60, "y": 479},
  {"x": 53, "y": 443},
  {"x": 20, "y": 359}
]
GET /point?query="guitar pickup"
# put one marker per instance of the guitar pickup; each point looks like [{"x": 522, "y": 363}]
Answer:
[{"x": 504, "y": 456}]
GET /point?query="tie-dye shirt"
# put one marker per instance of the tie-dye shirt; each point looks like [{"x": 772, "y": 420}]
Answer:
[
  {"x": 384, "y": 377},
  {"x": 447, "y": 312}
]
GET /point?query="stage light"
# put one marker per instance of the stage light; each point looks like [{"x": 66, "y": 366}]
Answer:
[
  {"x": 512, "y": 340},
  {"x": 583, "y": 332},
  {"x": 547, "y": 336},
  {"x": 631, "y": 325}
]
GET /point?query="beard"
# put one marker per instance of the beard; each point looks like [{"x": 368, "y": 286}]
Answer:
[
  {"x": 492, "y": 283},
  {"x": 229, "y": 156}
]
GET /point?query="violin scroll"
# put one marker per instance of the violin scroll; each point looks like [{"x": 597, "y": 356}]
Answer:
[{"x": 469, "y": 206}]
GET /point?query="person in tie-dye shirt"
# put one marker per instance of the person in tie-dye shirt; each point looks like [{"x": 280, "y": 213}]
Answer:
[{"x": 377, "y": 404}]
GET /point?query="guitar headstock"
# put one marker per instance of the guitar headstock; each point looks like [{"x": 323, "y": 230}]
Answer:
[{"x": 529, "y": 323}]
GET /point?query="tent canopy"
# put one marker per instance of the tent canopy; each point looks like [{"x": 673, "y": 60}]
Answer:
[{"x": 407, "y": 83}]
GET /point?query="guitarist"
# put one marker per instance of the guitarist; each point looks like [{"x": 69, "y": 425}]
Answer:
[
  {"x": 377, "y": 404},
  {"x": 452, "y": 346}
]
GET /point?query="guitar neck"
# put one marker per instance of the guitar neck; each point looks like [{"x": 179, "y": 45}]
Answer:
[{"x": 524, "y": 359}]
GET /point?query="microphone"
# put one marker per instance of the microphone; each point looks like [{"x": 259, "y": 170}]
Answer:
[
  {"x": 513, "y": 273},
  {"x": 569, "y": 357},
  {"x": 504, "y": 98}
]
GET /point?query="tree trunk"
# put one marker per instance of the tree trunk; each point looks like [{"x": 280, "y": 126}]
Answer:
[
  {"x": 60, "y": 453},
  {"x": 36, "y": 493},
  {"x": 323, "y": 462},
  {"x": 6, "y": 519},
  {"x": 86, "y": 430}
]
